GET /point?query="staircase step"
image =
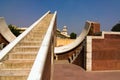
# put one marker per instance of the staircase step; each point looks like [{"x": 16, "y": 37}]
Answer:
[
  {"x": 34, "y": 39},
  {"x": 37, "y": 35},
  {"x": 38, "y": 31},
  {"x": 30, "y": 43},
  {"x": 22, "y": 56},
  {"x": 14, "y": 74},
  {"x": 17, "y": 64},
  {"x": 13, "y": 77},
  {"x": 27, "y": 48}
]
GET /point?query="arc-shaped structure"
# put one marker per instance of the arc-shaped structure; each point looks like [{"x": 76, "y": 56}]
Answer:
[
  {"x": 78, "y": 41},
  {"x": 5, "y": 31}
]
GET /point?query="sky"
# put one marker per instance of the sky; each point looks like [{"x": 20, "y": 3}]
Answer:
[{"x": 70, "y": 13}]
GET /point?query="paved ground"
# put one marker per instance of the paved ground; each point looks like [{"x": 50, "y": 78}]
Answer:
[{"x": 74, "y": 72}]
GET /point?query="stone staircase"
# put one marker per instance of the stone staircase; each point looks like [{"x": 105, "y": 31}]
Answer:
[{"x": 18, "y": 62}]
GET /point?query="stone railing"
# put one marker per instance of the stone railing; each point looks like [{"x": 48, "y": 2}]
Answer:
[
  {"x": 4, "y": 52},
  {"x": 42, "y": 67}
]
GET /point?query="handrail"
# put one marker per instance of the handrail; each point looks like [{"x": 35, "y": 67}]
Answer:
[
  {"x": 19, "y": 38},
  {"x": 39, "y": 64},
  {"x": 63, "y": 49}
]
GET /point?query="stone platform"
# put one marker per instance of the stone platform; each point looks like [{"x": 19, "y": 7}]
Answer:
[{"x": 74, "y": 72}]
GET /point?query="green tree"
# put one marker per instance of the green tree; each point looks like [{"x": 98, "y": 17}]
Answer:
[
  {"x": 73, "y": 35},
  {"x": 14, "y": 30},
  {"x": 116, "y": 27}
]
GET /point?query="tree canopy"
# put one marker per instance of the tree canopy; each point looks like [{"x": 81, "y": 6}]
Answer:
[
  {"x": 116, "y": 27},
  {"x": 73, "y": 35},
  {"x": 14, "y": 30}
]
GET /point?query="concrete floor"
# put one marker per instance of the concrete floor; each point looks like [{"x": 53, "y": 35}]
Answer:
[{"x": 74, "y": 72}]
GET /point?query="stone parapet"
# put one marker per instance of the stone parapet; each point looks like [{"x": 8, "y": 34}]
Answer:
[{"x": 105, "y": 51}]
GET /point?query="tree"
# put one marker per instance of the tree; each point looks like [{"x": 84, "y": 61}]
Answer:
[
  {"x": 14, "y": 30},
  {"x": 73, "y": 35},
  {"x": 116, "y": 27}
]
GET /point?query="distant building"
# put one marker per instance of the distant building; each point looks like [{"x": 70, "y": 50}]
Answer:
[
  {"x": 63, "y": 33},
  {"x": 62, "y": 37}
]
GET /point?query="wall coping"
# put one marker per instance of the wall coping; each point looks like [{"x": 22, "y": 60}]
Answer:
[{"x": 103, "y": 34}]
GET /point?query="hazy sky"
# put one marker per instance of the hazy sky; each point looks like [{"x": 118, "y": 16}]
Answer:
[{"x": 72, "y": 13}]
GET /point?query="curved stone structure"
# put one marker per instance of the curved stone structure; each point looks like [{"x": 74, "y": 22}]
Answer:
[
  {"x": 66, "y": 48},
  {"x": 5, "y": 31}
]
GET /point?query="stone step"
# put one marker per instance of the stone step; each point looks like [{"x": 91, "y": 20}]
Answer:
[
  {"x": 37, "y": 34},
  {"x": 13, "y": 77},
  {"x": 23, "y": 55},
  {"x": 30, "y": 43},
  {"x": 17, "y": 64},
  {"x": 34, "y": 38},
  {"x": 40, "y": 35},
  {"x": 27, "y": 48},
  {"x": 14, "y": 74},
  {"x": 38, "y": 31}
]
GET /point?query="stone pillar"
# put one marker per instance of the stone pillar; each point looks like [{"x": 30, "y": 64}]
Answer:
[{"x": 89, "y": 53}]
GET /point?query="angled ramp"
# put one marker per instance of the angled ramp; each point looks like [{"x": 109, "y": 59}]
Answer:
[
  {"x": 5, "y": 31},
  {"x": 18, "y": 58},
  {"x": 79, "y": 40}
]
